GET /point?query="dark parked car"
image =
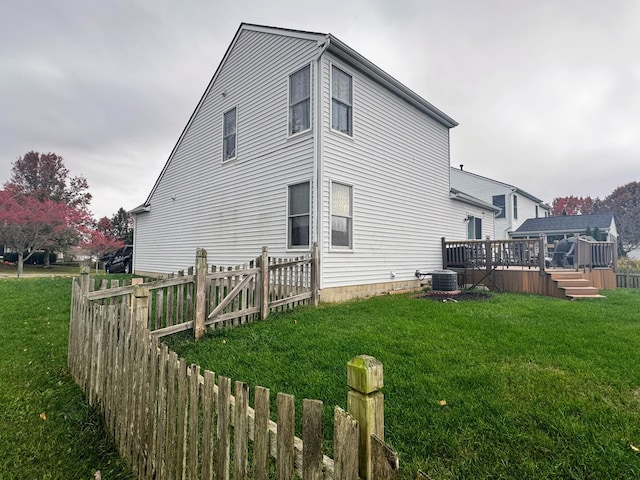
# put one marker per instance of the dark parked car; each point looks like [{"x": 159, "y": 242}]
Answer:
[{"x": 121, "y": 260}]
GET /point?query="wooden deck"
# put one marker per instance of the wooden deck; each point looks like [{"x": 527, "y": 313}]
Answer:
[{"x": 520, "y": 266}]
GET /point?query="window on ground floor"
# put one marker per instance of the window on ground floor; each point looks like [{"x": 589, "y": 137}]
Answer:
[
  {"x": 298, "y": 215},
  {"x": 341, "y": 215},
  {"x": 474, "y": 228}
]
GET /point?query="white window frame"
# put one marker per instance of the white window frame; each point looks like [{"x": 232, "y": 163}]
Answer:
[
  {"x": 351, "y": 109},
  {"x": 290, "y": 246},
  {"x": 472, "y": 231},
  {"x": 290, "y": 133},
  {"x": 515, "y": 207},
  {"x": 225, "y": 135},
  {"x": 349, "y": 218}
]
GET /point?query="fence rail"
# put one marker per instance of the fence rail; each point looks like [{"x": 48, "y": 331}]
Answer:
[
  {"x": 628, "y": 280},
  {"x": 172, "y": 420}
]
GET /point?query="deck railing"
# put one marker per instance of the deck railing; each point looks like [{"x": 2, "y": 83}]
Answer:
[
  {"x": 591, "y": 254},
  {"x": 489, "y": 254}
]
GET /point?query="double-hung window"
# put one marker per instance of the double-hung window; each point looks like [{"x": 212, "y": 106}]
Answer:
[
  {"x": 515, "y": 207},
  {"x": 341, "y": 216},
  {"x": 229, "y": 135},
  {"x": 298, "y": 216},
  {"x": 341, "y": 101},
  {"x": 300, "y": 101},
  {"x": 499, "y": 201}
]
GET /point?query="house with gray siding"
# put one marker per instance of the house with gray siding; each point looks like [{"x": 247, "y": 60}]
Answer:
[
  {"x": 299, "y": 139},
  {"x": 514, "y": 205}
]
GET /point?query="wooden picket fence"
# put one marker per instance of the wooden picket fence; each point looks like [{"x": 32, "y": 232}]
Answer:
[{"x": 171, "y": 420}]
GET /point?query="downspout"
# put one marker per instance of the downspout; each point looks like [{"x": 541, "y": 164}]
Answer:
[{"x": 317, "y": 158}]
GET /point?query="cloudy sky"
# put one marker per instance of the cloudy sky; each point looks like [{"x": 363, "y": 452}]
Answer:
[{"x": 547, "y": 93}]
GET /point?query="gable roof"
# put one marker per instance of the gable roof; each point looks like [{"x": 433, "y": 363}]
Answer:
[
  {"x": 326, "y": 42},
  {"x": 519, "y": 191},
  {"x": 566, "y": 223}
]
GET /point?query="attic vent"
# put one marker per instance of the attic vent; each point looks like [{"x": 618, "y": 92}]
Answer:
[{"x": 444, "y": 281}]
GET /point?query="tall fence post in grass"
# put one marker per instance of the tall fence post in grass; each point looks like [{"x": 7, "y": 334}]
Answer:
[
  {"x": 365, "y": 403},
  {"x": 264, "y": 283},
  {"x": 201, "y": 289},
  {"x": 84, "y": 278},
  {"x": 140, "y": 304}
]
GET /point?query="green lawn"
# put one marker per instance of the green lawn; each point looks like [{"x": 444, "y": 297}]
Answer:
[
  {"x": 47, "y": 430},
  {"x": 535, "y": 387}
]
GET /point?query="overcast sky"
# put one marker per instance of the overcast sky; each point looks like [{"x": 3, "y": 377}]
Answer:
[{"x": 547, "y": 93}]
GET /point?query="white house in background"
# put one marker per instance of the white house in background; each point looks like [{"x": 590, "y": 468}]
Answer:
[
  {"x": 514, "y": 204},
  {"x": 299, "y": 139}
]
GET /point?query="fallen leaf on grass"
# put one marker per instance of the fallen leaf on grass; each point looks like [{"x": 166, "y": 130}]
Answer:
[
  {"x": 442, "y": 403},
  {"x": 43, "y": 416},
  {"x": 635, "y": 449}
]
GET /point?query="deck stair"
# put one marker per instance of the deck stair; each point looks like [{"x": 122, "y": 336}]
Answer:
[{"x": 575, "y": 286}]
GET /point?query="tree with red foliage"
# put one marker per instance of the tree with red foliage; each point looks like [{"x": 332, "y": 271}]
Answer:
[
  {"x": 43, "y": 176},
  {"x": 28, "y": 224},
  {"x": 572, "y": 205},
  {"x": 624, "y": 202}
]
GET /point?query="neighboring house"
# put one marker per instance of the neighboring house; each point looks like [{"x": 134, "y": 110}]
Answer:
[
  {"x": 299, "y": 139},
  {"x": 514, "y": 204},
  {"x": 565, "y": 226}
]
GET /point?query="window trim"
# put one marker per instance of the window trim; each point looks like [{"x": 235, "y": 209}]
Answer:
[
  {"x": 472, "y": 222},
  {"x": 341, "y": 248},
  {"x": 289, "y": 216},
  {"x": 224, "y": 137},
  {"x": 291, "y": 134},
  {"x": 349, "y": 134}
]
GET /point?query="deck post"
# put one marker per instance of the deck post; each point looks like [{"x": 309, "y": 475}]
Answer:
[
  {"x": 488, "y": 255},
  {"x": 365, "y": 403},
  {"x": 201, "y": 292},
  {"x": 444, "y": 253},
  {"x": 541, "y": 255}
]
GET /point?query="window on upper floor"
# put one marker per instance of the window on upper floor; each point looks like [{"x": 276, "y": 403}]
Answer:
[
  {"x": 300, "y": 101},
  {"x": 515, "y": 207},
  {"x": 537, "y": 212},
  {"x": 298, "y": 216},
  {"x": 229, "y": 143},
  {"x": 341, "y": 215},
  {"x": 498, "y": 201},
  {"x": 474, "y": 228},
  {"x": 341, "y": 101}
]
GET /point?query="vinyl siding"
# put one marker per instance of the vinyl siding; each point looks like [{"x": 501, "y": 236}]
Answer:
[
  {"x": 398, "y": 165},
  {"x": 232, "y": 208}
]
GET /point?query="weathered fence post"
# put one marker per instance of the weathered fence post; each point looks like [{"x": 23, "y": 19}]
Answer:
[
  {"x": 201, "y": 288},
  {"x": 140, "y": 304},
  {"x": 365, "y": 403},
  {"x": 315, "y": 270},
  {"x": 84, "y": 278},
  {"x": 264, "y": 283},
  {"x": 443, "y": 246}
]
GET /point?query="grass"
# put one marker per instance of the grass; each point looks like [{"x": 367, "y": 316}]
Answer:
[
  {"x": 55, "y": 269},
  {"x": 534, "y": 387},
  {"x": 47, "y": 431}
]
